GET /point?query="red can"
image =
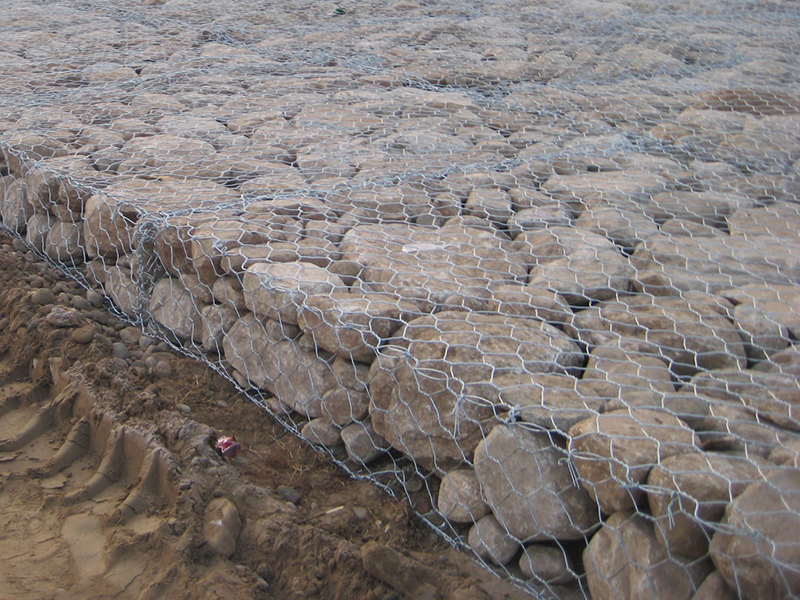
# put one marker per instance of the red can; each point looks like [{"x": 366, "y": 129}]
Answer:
[{"x": 227, "y": 446}]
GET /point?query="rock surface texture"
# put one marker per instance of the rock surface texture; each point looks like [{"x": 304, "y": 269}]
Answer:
[{"x": 533, "y": 266}]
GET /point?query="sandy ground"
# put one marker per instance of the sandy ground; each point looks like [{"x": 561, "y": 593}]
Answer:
[{"x": 110, "y": 486}]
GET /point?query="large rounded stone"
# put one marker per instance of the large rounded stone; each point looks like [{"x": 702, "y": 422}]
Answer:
[
  {"x": 615, "y": 451},
  {"x": 624, "y": 561},
  {"x": 277, "y": 290},
  {"x": 688, "y": 494},
  {"x": 350, "y": 325},
  {"x": 757, "y": 550},
  {"x": 690, "y": 332},
  {"x": 441, "y": 398},
  {"x": 529, "y": 486},
  {"x": 460, "y": 499},
  {"x": 174, "y": 307}
]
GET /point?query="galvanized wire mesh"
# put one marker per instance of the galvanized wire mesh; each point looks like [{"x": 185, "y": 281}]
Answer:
[{"x": 533, "y": 266}]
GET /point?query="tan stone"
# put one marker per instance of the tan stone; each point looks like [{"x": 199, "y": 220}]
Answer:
[{"x": 615, "y": 451}]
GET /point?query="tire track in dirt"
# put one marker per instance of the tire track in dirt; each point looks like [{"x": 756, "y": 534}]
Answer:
[{"x": 108, "y": 489}]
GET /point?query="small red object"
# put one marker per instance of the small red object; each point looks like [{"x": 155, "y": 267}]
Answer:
[{"x": 227, "y": 446}]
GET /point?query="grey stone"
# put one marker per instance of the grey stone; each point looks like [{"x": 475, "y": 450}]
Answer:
[
  {"x": 276, "y": 291},
  {"x": 624, "y": 561},
  {"x": 530, "y": 488},
  {"x": 460, "y": 499},
  {"x": 688, "y": 494},
  {"x": 362, "y": 443},
  {"x": 757, "y": 552},
  {"x": 174, "y": 307},
  {"x": 689, "y": 332},
  {"x": 489, "y": 540},
  {"x": 548, "y": 564},
  {"x": 615, "y": 451},
  {"x": 441, "y": 396}
]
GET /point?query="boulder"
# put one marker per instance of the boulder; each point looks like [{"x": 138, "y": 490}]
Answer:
[
  {"x": 779, "y": 221},
  {"x": 772, "y": 396},
  {"x": 539, "y": 217},
  {"x": 278, "y": 290},
  {"x": 529, "y": 486},
  {"x": 581, "y": 266},
  {"x": 757, "y": 551},
  {"x": 549, "y": 401},
  {"x": 460, "y": 499},
  {"x": 715, "y": 588},
  {"x": 174, "y": 307},
  {"x": 352, "y": 325},
  {"x": 767, "y": 315},
  {"x": 428, "y": 266},
  {"x": 362, "y": 444},
  {"x": 15, "y": 210},
  {"x": 321, "y": 432},
  {"x": 634, "y": 379},
  {"x": 672, "y": 266},
  {"x": 626, "y": 227},
  {"x": 122, "y": 290},
  {"x": 624, "y": 561},
  {"x": 64, "y": 243},
  {"x": 688, "y": 494},
  {"x": 436, "y": 404},
  {"x": 490, "y": 541},
  {"x": 689, "y": 332},
  {"x": 216, "y": 320},
  {"x": 265, "y": 357},
  {"x": 530, "y": 301},
  {"x": 37, "y": 229},
  {"x": 614, "y": 452},
  {"x": 344, "y": 405},
  {"x": 548, "y": 564}
]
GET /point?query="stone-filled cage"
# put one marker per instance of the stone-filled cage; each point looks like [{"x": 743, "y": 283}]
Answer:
[{"x": 532, "y": 266}]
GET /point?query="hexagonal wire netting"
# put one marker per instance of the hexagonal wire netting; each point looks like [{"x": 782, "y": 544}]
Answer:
[{"x": 533, "y": 266}]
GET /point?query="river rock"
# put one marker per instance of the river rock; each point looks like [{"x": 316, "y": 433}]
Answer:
[
  {"x": 216, "y": 320},
  {"x": 632, "y": 378},
  {"x": 581, "y": 266},
  {"x": 322, "y": 432},
  {"x": 530, "y": 301},
  {"x": 614, "y": 452},
  {"x": 352, "y": 325},
  {"x": 767, "y": 315},
  {"x": 428, "y": 266},
  {"x": 688, "y": 494},
  {"x": 671, "y": 266},
  {"x": 64, "y": 243},
  {"x": 624, "y": 561},
  {"x": 174, "y": 307},
  {"x": 490, "y": 541},
  {"x": 549, "y": 401},
  {"x": 15, "y": 210},
  {"x": 772, "y": 396},
  {"x": 277, "y": 291},
  {"x": 548, "y": 564},
  {"x": 264, "y": 356},
  {"x": 442, "y": 396},
  {"x": 626, "y": 227},
  {"x": 689, "y": 332},
  {"x": 530, "y": 488},
  {"x": 715, "y": 588},
  {"x": 757, "y": 552},
  {"x": 362, "y": 444},
  {"x": 460, "y": 499}
]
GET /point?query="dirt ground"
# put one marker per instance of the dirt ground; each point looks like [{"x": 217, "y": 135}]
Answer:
[{"x": 110, "y": 486}]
